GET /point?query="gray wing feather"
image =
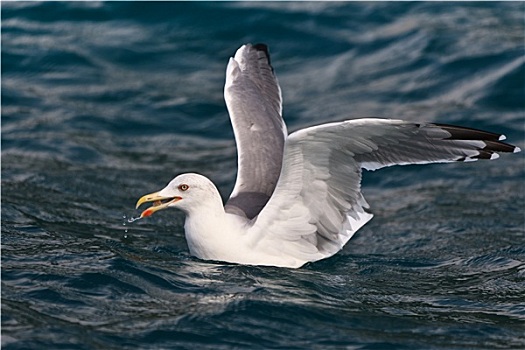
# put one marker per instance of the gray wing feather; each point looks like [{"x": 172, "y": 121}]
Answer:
[
  {"x": 378, "y": 143},
  {"x": 318, "y": 205},
  {"x": 403, "y": 143},
  {"x": 254, "y": 102}
]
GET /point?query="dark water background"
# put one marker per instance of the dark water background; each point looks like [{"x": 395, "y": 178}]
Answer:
[{"x": 103, "y": 102}]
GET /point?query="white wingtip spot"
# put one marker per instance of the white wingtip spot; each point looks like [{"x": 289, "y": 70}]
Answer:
[
  {"x": 239, "y": 56},
  {"x": 494, "y": 156},
  {"x": 502, "y": 137},
  {"x": 517, "y": 149}
]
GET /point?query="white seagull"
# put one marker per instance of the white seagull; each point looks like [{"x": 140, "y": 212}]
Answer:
[{"x": 297, "y": 197}]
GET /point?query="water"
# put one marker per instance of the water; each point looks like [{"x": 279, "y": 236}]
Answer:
[{"x": 104, "y": 102}]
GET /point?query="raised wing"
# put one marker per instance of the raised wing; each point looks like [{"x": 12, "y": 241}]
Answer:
[
  {"x": 253, "y": 98},
  {"x": 317, "y": 205}
]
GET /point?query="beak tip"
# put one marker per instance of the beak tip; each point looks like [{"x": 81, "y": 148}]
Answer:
[{"x": 143, "y": 200}]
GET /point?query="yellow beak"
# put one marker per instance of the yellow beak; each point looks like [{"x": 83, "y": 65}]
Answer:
[{"x": 159, "y": 203}]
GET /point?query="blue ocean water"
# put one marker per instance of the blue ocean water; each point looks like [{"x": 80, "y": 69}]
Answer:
[{"x": 103, "y": 102}]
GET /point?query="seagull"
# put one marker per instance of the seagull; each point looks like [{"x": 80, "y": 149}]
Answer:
[{"x": 297, "y": 197}]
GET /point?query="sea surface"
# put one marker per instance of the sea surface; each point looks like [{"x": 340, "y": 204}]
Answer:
[{"x": 103, "y": 102}]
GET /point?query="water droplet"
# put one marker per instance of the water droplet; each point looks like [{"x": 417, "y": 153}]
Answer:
[{"x": 131, "y": 220}]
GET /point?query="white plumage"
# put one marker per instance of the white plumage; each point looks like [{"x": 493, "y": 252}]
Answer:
[{"x": 297, "y": 198}]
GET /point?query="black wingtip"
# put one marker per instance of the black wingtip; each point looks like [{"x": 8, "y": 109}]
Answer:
[
  {"x": 462, "y": 133},
  {"x": 264, "y": 48},
  {"x": 498, "y": 146},
  {"x": 493, "y": 142}
]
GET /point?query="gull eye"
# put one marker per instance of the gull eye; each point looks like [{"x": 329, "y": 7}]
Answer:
[{"x": 183, "y": 187}]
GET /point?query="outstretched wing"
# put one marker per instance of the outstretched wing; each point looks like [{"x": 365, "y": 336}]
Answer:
[
  {"x": 253, "y": 98},
  {"x": 317, "y": 205}
]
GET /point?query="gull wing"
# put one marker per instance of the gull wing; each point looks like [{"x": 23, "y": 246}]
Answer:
[
  {"x": 253, "y": 98},
  {"x": 317, "y": 205}
]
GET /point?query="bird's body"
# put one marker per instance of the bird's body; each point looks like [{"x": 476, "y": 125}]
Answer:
[{"x": 297, "y": 197}]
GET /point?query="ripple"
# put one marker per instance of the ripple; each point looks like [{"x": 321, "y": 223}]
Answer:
[{"x": 103, "y": 102}]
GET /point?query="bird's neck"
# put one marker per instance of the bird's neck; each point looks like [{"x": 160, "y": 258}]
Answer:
[{"x": 205, "y": 228}]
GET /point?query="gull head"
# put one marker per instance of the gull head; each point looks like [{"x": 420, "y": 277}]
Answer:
[{"x": 185, "y": 192}]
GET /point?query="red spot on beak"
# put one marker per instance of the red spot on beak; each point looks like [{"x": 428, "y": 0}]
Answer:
[{"x": 146, "y": 213}]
